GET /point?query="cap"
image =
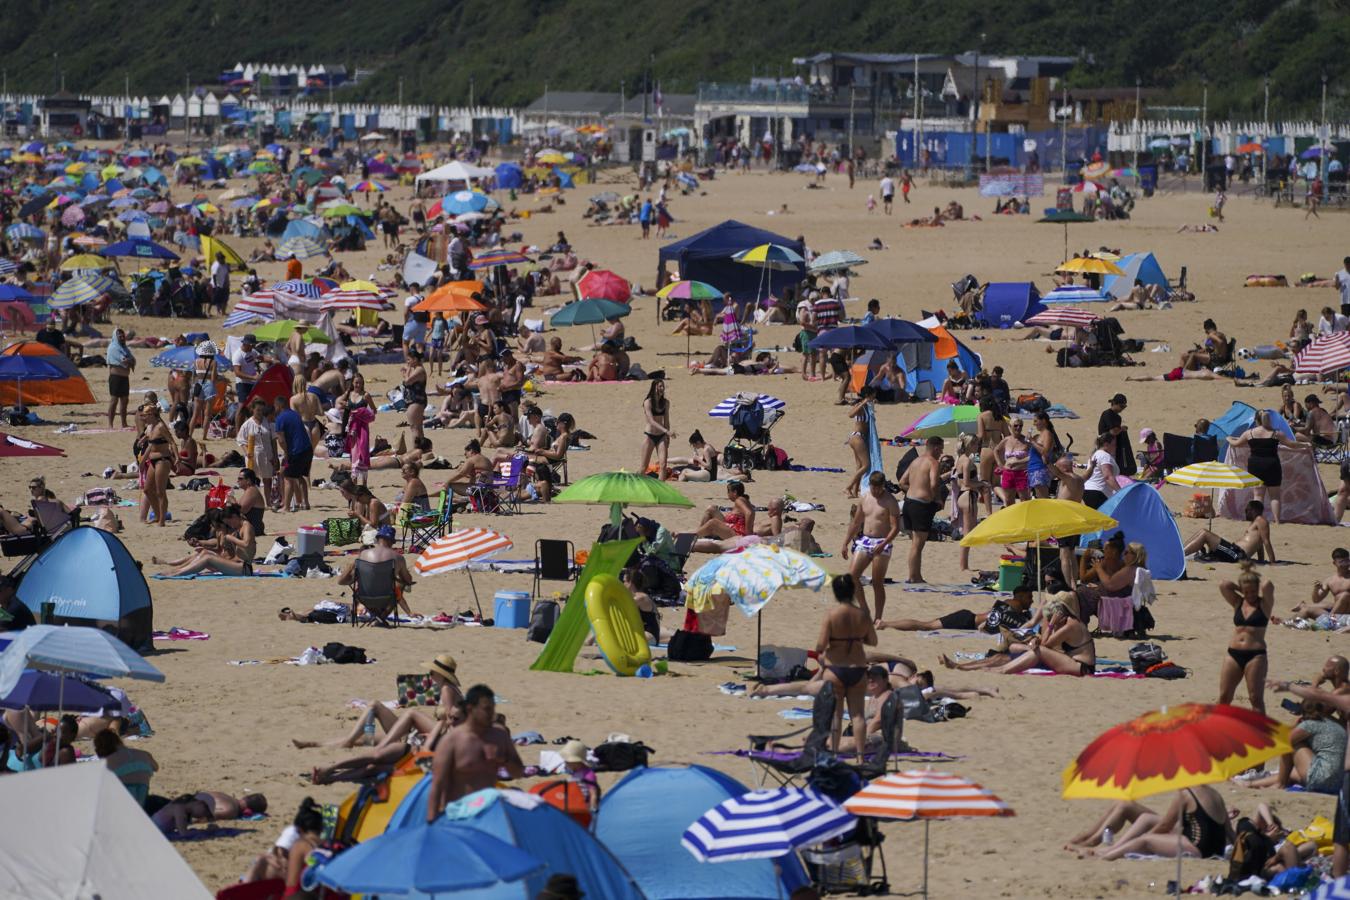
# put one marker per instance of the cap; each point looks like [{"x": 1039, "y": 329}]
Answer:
[
  {"x": 445, "y": 666},
  {"x": 573, "y": 751},
  {"x": 386, "y": 531},
  {"x": 1119, "y": 400},
  {"x": 249, "y": 339}
]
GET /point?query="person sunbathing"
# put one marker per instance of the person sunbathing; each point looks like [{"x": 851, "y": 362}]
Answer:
[
  {"x": 899, "y": 671},
  {"x": 384, "y": 758},
  {"x": 1067, "y": 648},
  {"x": 1212, "y": 354},
  {"x": 1254, "y": 543},
  {"x": 604, "y": 365},
  {"x": 1138, "y": 829},
  {"x": 1012, "y": 614},
  {"x": 178, "y": 814},
  {"x": 400, "y": 726},
  {"x": 1180, "y": 373},
  {"x": 230, "y": 552},
  {"x": 555, "y": 365},
  {"x": 699, "y": 322},
  {"x": 386, "y": 458},
  {"x": 1329, "y": 596}
]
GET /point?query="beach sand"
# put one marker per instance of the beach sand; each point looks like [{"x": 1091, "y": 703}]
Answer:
[{"x": 228, "y": 727}]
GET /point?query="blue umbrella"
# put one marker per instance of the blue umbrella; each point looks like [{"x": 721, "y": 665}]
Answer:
[
  {"x": 186, "y": 358},
  {"x": 1315, "y": 153},
  {"x": 723, "y": 409},
  {"x": 13, "y": 291},
  {"x": 133, "y": 215},
  {"x": 19, "y": 368},
  {"x": 139, "y": 247},
  {"x": 461, "y": 202},
  {"x": 23, "y": 231},
  {"x": 902, "y": 331},
  {"x": 765, "y": 825},
  {"x": 8, "y": 266},
  {"x": 438, "y": 858},
  {"x": 71, "y": 649},
  {"x": 43, "y": 690},
  {"x": 298, "y": 288},
  {"x": 851, "y": 337},
  {"x": 122, "y": 202}
]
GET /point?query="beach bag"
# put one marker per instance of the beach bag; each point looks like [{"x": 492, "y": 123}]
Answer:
[
  {"x": 1251, "y": 849},
  {"x": 344, "y": 654},
  {"x": 343, "y": 531},
  {"x": 620, "y": 756},
  {"x": 747, "y": 416},
  {"x": 1032, "y": 403},
  {"x": 1144, "y": 656},
  {"x": 416, "y": 690},
  {"x": 778, "y": 459},
  {"x": 217, "y": 495},
  {"x": 689, "y": 646},
  {"x": 542, "y": 619}
]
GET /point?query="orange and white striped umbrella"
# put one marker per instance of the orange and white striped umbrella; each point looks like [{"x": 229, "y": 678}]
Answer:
[
  {"x": 457, "y": 549},
  {"x": 925, "y": 795}
]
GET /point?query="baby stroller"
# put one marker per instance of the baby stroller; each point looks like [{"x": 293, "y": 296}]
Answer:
[{"x": 751, "y": 445}]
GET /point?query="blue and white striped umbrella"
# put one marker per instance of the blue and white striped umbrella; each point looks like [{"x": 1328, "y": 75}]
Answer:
[
  {"x": 300, "y": 247},
  {"x": 765, "y": 825},
  {"x": 1331, "y": 890},
  {"x": 83, "y": 288},
  {"x": 185, "y": 358},
  {"x": 23, "y": 231},
  {"x": 245, "y": 316},
  {"x": 133, "y": 215},
  {"x": 298, "y": 288},
  {"x": 8, "y": 266},
  {"x": 723, "y": 409}
]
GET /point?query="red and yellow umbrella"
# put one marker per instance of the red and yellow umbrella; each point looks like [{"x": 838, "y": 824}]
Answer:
[{"x": 1174, "y": 748}]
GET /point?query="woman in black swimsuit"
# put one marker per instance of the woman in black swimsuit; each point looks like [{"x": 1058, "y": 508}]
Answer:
[
  {"x": 1204, "y": 828},
  {"x": 1067, "y": 648},
  {"x": 656, "y": 438},
  {"x": 415, "y": 391},
  {"x": 1264, "y": 444},
  {"x": 846, "y": 630},
  {"x": 157, "y": 461},
  {"x": 1252, "y": 604}
]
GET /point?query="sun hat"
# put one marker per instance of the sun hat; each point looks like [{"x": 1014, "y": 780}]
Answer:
[
  {"x": 445, "y": 666},
  {"x": 574, "y": 752},
  {"x": 1145, "y": 434},
  {"x": 207, "y": 348}
]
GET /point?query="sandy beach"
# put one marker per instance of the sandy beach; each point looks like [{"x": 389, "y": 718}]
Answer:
[{"x": 224, "y": 726}]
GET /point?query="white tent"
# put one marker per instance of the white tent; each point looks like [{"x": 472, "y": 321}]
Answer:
[
  {"x": 455, "y": 171},
  {"x": 81, "y": 836}
]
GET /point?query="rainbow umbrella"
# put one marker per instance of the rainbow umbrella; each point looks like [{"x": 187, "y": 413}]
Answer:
[
  {"x": 363, "y": 187},
  {"x": 770, "y": 256},
  {"x": 489, "y": 258},
  {"x": 689, "y": 290},
  {"x": 945, "y": 422}
]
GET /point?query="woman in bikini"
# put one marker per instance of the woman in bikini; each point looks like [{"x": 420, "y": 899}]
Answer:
[
  {"x": 966, "y": 479},
  {"x": 203, "y": 386},
  {"x": 231, "y": 552},
  {"x": 414, "y": 491},
  {"x": 954, "y": 388},
  {"x": 656, "y": 437},
  {"x": 157, "y": 461},
  {"x": 991, "y": 427},
  {"x": 189, "y": 451},
  {"x": 1252, "y": 603},
  {"x": 1046, "y": 447},
  {"x": 368, "y": 508},
  {"x": 500, "y": 430},
  {"x": 415, "y": 391},
  {"x": 698, "y": 322},
  {"x": 858, "y": 439},
  {"x": 252, "y": 504},
  {"x": 844, "y": 634},
  {"x": 702, "y": 465},
  {"x": 1204, "y": 828},
  {"x": 400, "y": 724},
  {"x": 1012, "y": 454},
  {"x": 1067, "y": 647}
]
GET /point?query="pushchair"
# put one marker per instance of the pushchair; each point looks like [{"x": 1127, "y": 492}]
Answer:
[{"x": 751, "y": 445}]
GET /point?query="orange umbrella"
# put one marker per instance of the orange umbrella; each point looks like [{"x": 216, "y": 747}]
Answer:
[{"x": 454, "y": 297}]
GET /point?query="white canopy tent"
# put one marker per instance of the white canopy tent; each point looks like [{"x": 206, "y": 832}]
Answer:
[
  {"x": 82, "y": 836},
  {"x": 456, "y": 171}
]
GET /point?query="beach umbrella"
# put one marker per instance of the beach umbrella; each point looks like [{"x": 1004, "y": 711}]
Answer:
[
  {"x": 83, "y": 288},
  {"x": 365, "y": 187},
  {"x": 430, "y": 859},
  {"x": 84, "y": 261},
  {"x": 342, "y": 209},
  {"x": 602, "y": 284},
  {"x": 44, "y": 690},
  {"x": 464, "y": 202},
  {"x": 451, "y": 301},
  {"x": 12, "y": 292},
  {"x": 619, "y": 489},
  {"x": 750, "y": 577},
  {"x": 925, "y": 795},
  {"x": 301, "y": 247},
  {"x": 281, "y": 330},
  {"x": 71, "y": 649},
  {"x": 1090, "y": 264},
  {"x": 88, "y": 241},
  {"x": 835, "y": 260},
  {"x": 1172, "y": 749},
  {"x": 353, "y": 299},
  {"x": 23, "y": 231},
  {"x": 851, "y": 337},
  {"x": 1213, "y": 475},
  {"x": 1315, "y": 152},
  {"x": 1088, "y": 187},
  {"x": 1034, "y": 520},
  {"x": 768, "y": 257},
  {"x": 945, "y": 422},
  {"x": 1095, "y": 170},
  {"x": 298, "y": 287},
  {"x": 1331, "y": 890},
  {"x": 689, "y": 289},
  {"x": 73, "y": 216},
  {"x": 723, "y": 409},
  {"x": 139, "y": 247},
  {"x": 765, "y": 825},
  {"x": 1327, "y": 353},
  {"x": 1062, "y": 317},
  {"x": 590, "y": 312},
  {"x": 18, "y": 368},
  {"x": 551, "y": 158},
  {"x": 185, "y": 359},
  {"x": 489, "y": 258},
  {"x": 1125, "y": 172},
  {"x": 459, "y": 548},
  {"x": 901, "y": 331}
]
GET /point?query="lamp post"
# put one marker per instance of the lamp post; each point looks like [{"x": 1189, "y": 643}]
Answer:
[
  {"x": 1265, "y": 130},
  {"x": 1064, "y": 131},
  {"x": 1137, "y": 84},
  {"x": 1322, "y": 142},
  {"x": 1204, "y": 131},
  {"x": 915, "y": 147},
  {"x": 975, "y": 101}
]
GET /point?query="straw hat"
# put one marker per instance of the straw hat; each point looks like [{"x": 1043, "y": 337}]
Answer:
[
  {"x": 445, "y": 666},
  {"x": 574, "y": 752}
]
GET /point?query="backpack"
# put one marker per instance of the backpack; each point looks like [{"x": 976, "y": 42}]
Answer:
[
  {"x": 343, "y": 653},
  {"x": 1145, "y": 656},
  {"x": 1032, "y": 403},
  {"x": 620, "y": 756},
  {"x": 542, "y": 619},
  {"x": 1251, "y": 849},
  {"x": 688, "y": 646}
]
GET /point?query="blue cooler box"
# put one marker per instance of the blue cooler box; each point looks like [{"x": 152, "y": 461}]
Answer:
[{"x": 511, "y": 609}]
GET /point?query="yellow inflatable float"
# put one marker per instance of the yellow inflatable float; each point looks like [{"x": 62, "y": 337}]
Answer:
[{"x": 617, "y": 625}]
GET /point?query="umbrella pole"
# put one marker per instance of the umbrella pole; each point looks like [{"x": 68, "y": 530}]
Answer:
[
  {"x": 1177, "y": 892},
  {"x": 616, "y": 515},
  {"x": 1211, "y": 509},
  {"x": 474, "y": 588},
  {"x": 925, "y": 858},
  {"x": 759, "y": 642}
]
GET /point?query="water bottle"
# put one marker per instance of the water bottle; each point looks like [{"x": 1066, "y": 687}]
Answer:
[
  {"x": 369, "y": 731},
  {"x": 1107, "y": 837}
]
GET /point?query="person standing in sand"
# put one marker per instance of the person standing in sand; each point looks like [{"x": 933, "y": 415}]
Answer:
[
  {"x": 470, "y": 757},
  {"x": 871, "y": 537},
  {"x": 861, "y": 417},
  {"x": 920, "y": 484},
  {"x": 1070, "y": 488},
  {"x": 657, "y": 434}
]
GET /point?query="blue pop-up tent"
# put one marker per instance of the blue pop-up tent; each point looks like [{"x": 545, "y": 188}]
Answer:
[
  {"x": 1140, "y": 512},
  {"x": 643, "y": 818},
  {"x": 706, "y": 256},
  {"x": 92, "y": 579},
  {"x": 509, "y": 175},
  {"x": 1239, "y": 418},
  {"x": 931, "y": 368},
  {"x": 526, "y": 821},
  {"x": 1008, "y": 302},
  {"x": 1137, "y": 267}
]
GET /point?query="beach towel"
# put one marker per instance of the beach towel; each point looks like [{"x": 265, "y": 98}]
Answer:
[
  {"x": 208, "y": 576},
  {"x": 181, "y": 634},
  {"x": 874, "y": 461}
]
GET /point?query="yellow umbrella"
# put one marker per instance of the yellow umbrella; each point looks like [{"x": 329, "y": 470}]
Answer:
[
  {"x": 551, "y": 157},
  {"x": 76, "y": 168},
  {"x": 1034, "y": 520},
  {"x": 85, "y": 261},
  {"x": 1089, "y": 264}
]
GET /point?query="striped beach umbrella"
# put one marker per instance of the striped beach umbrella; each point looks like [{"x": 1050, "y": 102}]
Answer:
[
  {"x": 459, "y": 548},
  {"x": 765, "y": 825},
  {"x": 1075, "y": 293},
  {"x": 835, "y": 260},
  {"x": 770, "y": 256},
  {"x": 83, "y": 288},
  {"x": 23, "y": 231},
  {"x": 8, "y": 266},
  {"x": 1327, "y": 353},
  {"x": 298, "y": 287},
  {"x": 354, "y": 299},
  {"x": 489, "y": 258},
  {"x": 1331, "y": 890},
  {"x": 301, "y": 247},
  {"x": 925, "y": 795},
  {"x": 723, "y": 409},
  {"x": 1213, "y": 475},
  {"x": 252, "y": 308},
  {"x": 1061, "y": 317}
]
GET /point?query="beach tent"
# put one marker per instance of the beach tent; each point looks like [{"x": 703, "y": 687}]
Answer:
[
  {"x": 1009, "y": 302},
  {"x": 212, "y": 245},
  {"x": 509, "y": 175},
  {"x": 93, "y": 580},
  {"x": 1144, "y": 517},
  {"x": 82, "y": 835},
  {"x": 1137, "y": 267},
  {"x": 643, "y": 818},
  {"x": 71, "y": 389},
  {"x": 13, "y": 445},
  {"x": 1303, "y": 497},
  {"x": 455, "y": 171},
  {"x": 1240, "y": 417},
  {"x": 273, "y": 383},
  {"x": 366, "y": 812},
  {"x": 931, "y": 369},
  {"x": 528, "y": 822},
  {"x": 706, "y": 256}
]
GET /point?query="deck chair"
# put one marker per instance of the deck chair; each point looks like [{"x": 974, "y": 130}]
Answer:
[
  {"x": 507, "y": 484},
  {"x": 684, "y": 546},
  {"x": 421, "y": 527},
  {"x": 785, "y": 764},
  {"x": 48, "y": 521},
  {"x": 553, "y": 562},
  {"x": 375, "y": 590},
  {"x": 892, "y": 736}
]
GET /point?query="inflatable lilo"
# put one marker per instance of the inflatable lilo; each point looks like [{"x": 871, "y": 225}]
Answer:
[{"x": 617, "y": 625}]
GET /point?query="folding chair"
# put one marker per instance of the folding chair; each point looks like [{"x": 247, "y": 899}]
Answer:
[
  {"x": 375, "y": 590},
  {"x": 684, "y": 545},
  {"x": 852, "y": 862},
  {"x": 508, "y": 482},
  {"x": 553, "y": 561},
  {"x": 48, "y": 521},
  {"x": 771, "y": 759},
  {"x": 420, "y": 527}
]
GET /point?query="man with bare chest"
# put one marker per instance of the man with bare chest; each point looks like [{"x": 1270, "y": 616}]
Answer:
[
  {"x": 920, "y": 484},
  {"x": 870, "y": 537},
  {"x": 471, "y": 756}
]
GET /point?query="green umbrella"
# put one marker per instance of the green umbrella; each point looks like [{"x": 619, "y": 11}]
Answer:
[
  {"x": 590, "y": 312},
  {"x": 1065, "y": 217},
  {"x": 620, "y": 489},
  {"x": 945, "y": 422},
  {"x": 282, "y": 329},
  {"x": 342, "y": 209}
]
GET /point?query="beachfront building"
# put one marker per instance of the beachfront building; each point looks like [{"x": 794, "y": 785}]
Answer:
[{"x": 63, "y": 114}]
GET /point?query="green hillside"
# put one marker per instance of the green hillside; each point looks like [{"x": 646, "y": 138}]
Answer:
[{"x": 511, "y": 47}]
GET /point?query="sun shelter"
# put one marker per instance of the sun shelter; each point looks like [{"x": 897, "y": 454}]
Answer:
[
  {"x": 706, "y": 256},
  {"x": 82, "y": 835},
  {"x": 92, "y": 579},
  {"x": 1007, "y": 303},
  {"x": 276, "y": 382},
  {"x": 530, "y": 823},
  {"x": 1240, "y": 417},
  {"x": 72, "y": 389},
  {"x": 1136, "y": 267},
  {"x": 13, "y": 445},
  {"x": 925, "y": 378},
  {"x": 1303, "y": 497},
  {"x": 643, "y": 818},
  {"x": 509, "y": 176},
  {"x": 1140, "y": 512}
]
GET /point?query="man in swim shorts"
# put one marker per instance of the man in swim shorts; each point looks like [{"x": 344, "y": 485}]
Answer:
[
  {"x": 1011, "y": 614},
  {"x": 871, "y": 535},
  {"x": 920, "y": 484}
]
